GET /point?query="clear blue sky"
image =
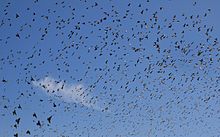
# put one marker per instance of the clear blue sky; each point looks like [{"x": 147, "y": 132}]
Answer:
[{"x": 110, "y": 68}]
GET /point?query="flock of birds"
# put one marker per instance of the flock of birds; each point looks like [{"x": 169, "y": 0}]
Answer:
[{"x": 148, "y": 73}]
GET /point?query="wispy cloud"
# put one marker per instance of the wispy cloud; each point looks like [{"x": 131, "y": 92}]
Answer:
[{"x": 68, "y": 92}]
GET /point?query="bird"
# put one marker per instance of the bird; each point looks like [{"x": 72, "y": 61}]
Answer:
[
  {"x": 49, "y": 119},
  {"x": 38, "y": 123},
  {"x": 132, "y": 65},
  {"x": 28, "y": 132},
  {"x": 17, "y": 16},
  {"x": 4, "y": 81}
]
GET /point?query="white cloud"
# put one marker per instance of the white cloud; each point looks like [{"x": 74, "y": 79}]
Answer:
[{"x": 68, "y": 92}]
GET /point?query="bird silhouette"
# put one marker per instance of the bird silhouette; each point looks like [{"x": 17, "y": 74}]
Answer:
[{"x": 109, "y": 68}]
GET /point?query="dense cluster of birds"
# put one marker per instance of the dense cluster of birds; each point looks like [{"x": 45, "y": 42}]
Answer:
[{"x": 148, "y": 71}]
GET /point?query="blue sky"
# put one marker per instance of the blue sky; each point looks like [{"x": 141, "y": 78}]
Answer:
[{"x": 109, "y": 68}]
